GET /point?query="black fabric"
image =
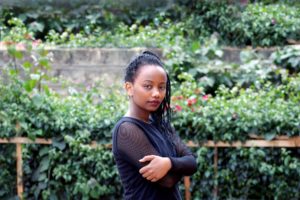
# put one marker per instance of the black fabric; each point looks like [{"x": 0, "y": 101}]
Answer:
[{"x": 132, "y": 140}]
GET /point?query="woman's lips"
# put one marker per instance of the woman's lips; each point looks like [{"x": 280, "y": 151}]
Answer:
[{"x": 154, "y": 103}]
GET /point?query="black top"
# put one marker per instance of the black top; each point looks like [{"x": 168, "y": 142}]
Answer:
[{"x": 132, "y": 140}]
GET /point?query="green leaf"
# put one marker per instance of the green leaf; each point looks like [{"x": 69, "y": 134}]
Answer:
[
  {"x": 195, "y": 45},
  {"x": 37, "y": 26},
  {"x": 53, "y": 197},
  {"x": 31, "y": 135},
  {"x": 42, "y": 177},
  {"x": 15, "y": 53},
  {"x": 44, "y": 164},
  {"x": 270, "y": 136},
  {"x": 18, "y": 54},
  {"x": 29, "y": 85},
  {"x": 38, "y": 132},
  {"x": 59, "y": 143},
  {"x": 44, "y": 151},
  {"x": 207, "y": 174},
  {"x": 42, "y": 185},
  {"x": 44, "y": 62},
  {"x": 35, "y": 174},
  {"x": 13, "y": 72},
  {"x": 46, "y": 89},
  {"x": 37, "y": 100},
  {"x": 95, "y": 193},
  {"x": 27, "y": 64},
  {"x": 92, "y": 183}
]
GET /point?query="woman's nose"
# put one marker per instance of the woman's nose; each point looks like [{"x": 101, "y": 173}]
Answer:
[{"x": 156, "y": 93}]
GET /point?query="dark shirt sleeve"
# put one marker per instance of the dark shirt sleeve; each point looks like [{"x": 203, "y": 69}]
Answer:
[
  {"x": 185, "y": 162},
  {"x": 133, "y": 145}
]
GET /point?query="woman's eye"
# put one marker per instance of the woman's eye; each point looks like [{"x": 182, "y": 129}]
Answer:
[
  {"x": 147, "y": 86},
  {"x": 162, "y": 87}
]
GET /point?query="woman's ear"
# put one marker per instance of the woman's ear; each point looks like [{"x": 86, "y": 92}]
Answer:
[{"x": 129, "y": 88}]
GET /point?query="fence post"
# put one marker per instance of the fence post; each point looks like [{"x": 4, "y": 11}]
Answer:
[
  {"x": 216, "y": 172},
  {"x": 20, "y": 188},
  {"x": 187, "y": 186}
]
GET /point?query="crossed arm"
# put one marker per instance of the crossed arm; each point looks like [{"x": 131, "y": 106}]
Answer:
[{"x": 166, "y": 171}]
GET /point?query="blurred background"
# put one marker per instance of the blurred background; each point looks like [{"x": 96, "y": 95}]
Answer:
[{"x": 234, "y": 66}]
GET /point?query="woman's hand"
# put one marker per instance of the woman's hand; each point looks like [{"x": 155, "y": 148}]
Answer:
[{"x": 156, "y": 168}]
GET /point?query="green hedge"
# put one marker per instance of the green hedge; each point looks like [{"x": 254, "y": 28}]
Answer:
[
  {"x": 80, "y": 23},
  {"x": 248, "y": 173},
  {"x": 8, "y": 171},
  {"x": 204, "y": 64},
  {"x": 236, "y": 113},
  {"x": 69, "y": 169}
]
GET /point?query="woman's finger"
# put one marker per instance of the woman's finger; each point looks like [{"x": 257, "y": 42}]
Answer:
[
  {"x": 146, "y": 172},
  {"x": 147, "y": 158}
]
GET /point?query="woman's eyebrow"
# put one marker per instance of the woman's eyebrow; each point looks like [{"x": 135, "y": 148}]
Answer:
[
  {"x": 148, "y": 81},
  {"x": 152, "y": 81}
]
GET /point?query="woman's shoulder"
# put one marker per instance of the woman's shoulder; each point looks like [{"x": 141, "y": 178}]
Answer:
[
  {"x": 126, "y": 132},
  {"x": 127, "y": 124}
]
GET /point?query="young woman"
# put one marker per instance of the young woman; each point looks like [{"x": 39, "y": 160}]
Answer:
[{"x": 150, "y": 157}]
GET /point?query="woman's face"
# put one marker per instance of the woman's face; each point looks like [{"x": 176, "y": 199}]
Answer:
[{"x": 148, "y": 89}]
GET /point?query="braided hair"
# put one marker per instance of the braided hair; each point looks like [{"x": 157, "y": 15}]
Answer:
[{"x": 163, "y": 114}]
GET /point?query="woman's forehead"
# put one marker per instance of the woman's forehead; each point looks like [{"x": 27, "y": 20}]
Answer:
[{"x": 151, "y": 73}]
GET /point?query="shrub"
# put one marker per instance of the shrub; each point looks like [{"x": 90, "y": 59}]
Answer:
[
  {"x": 255, "y": 24},
  {"x": 236, "y": 113},
  {"x": 91, "y": 23},
  {"x": 7, "y": 173},
  {"x": 289, "y": 58},
  {"x": 265, "y": 26},
  {"x": 71, "y": 169},
  {"x": 204, "y": 62}
]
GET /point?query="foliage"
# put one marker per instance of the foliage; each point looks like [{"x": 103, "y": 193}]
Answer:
[
  {"x": 265, "y": 26},
  {"x": 213, "y": 16},
  {"x": 123, "y": 36},
  {"x": 7, "y": 173},
  {"x": 74, "y": 16},
  {"x": 204, "y": 62},
  {"x": 236, "y": 113},
  {"x": 107, "y": 23},
  {"x": 72, "y": 122},
  {"x": 289, "y": 58},
  {"x": 71, "y": 169},
  {"x": 68, "y": 124},
  {"x": 18, "y": 33},
  {"x": 203, "y": 181},
  {"x": 255, "y": 24},
  {"x": 248, "y": 173},
  {"x": 289, "y": 2}
]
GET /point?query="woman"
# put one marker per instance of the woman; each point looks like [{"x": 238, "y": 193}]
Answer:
[{"x": 150, "y": 157}]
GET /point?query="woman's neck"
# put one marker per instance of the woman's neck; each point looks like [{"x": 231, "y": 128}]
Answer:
[{"x": 140, "y": 116}]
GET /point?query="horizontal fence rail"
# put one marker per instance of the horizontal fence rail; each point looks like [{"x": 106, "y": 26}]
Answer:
[{"x": 256, "y": 141}]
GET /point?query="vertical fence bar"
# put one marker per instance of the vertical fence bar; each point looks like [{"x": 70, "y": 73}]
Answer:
[
  {"x": 187, "y": 185},
  {"x": 20, "y": 188},
  {"x": 216, "y": 172}
]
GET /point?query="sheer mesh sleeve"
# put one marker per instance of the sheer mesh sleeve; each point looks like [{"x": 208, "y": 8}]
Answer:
[
  {"x": 133, "y": 144},
  {"x": 185, "y": 162}
]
